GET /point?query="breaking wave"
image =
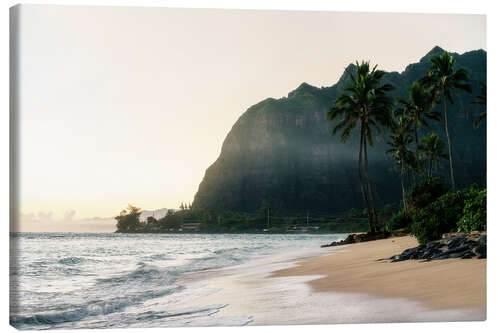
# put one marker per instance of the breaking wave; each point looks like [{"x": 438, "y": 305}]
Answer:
[{"x": 64, "y": 281}]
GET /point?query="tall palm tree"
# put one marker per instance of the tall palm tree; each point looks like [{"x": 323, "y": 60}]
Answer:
[
  {"x": 418, "y": 109},
  {"x": 400, "y": 140},
  {"x": 443, "y": 79},
  {"x": 481, "y": 100},
  {"x": 364, "y": 102},
  {"x": 432, "y": 148}
]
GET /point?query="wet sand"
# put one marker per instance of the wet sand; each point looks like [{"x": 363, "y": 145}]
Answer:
[{"x": 345, "y": 285}]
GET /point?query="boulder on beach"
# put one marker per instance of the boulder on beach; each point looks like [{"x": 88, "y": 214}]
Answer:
[{"x": 459, "y": 245}]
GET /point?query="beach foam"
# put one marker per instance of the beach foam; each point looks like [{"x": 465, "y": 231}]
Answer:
[
  {"x": 253, "y": 289},
  {"x": 121, "y": 280}
]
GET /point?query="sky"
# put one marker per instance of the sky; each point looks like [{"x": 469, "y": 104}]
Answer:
[{"x": 124, "y": 105}]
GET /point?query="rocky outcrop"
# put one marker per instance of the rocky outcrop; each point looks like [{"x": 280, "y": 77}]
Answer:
[
  {"x": 280, "y": 152},
  {"x": 465, "y": 246},
  {"x": 358, "y": 238}
]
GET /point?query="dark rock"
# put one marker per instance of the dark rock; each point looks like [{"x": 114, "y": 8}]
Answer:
[
  {"x": 395, "y": 258},
  {"x": 430, "y": 253},
  {"x": 456, "y": 242},
  {"x": 481, "y": 251},
  {"x": 457, "y": 254},
  {"x": 358, "y": 238},
  {"x": 436, "y": 256},
  {"x": 458, "y": 249},
  {"x": 441, "y": 257},
  {"x": 408, "y": 252},
  {"x": 471, "y": 244},
  {"x": 435, "y": 245},
  {"x": 468, "y": 255},
  {"x": 465, "y": 246}
]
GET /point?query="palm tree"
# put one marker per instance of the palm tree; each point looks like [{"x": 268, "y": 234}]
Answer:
[
  {"x": 364, "y": 102},
  {"x": 432, "y": 148},
  {"x": 443, "y": 79},
  {"x": 400, "y": 142},
  {"x": 418, "y": 109},
  {"x": 481, "y": 100}
]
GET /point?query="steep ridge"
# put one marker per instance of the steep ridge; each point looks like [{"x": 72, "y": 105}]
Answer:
[{"x": 280, "y": 152}]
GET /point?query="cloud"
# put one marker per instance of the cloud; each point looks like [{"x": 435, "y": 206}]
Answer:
[
  {"x": 42, "y": 216},
  {"x": 69, "y": 215},
  {"x": 47, "y": 222}
]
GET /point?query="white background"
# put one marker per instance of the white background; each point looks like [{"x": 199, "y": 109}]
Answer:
[{"x": 421, "y": 6}]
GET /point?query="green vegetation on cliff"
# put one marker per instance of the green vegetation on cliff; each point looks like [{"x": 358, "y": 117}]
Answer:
[
  {"x": 279, "y": 163},
  {"x": 280, "y": 151}
]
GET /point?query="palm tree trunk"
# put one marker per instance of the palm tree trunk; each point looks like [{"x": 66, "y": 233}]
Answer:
[
  {"x": 403, "y": 187},
  {"x": 370, "y": 193},
  {"x": 415, "y": 131},
  {"x": 449, "y": 144},
  {"x": 430, "y": 167},
  {"x": 363, "y": 194}
]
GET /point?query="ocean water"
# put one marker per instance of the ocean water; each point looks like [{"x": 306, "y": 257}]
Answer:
[{"x": 76, "y": 280}]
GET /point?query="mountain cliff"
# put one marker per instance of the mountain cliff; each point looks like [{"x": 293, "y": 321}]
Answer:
[{"x": 280, "y": 152}]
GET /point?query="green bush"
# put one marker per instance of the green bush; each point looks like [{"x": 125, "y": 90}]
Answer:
[
  {"x": 424, "y": 193},
  {"x": 399, "y": 220},
  {"x": 441, "y": 216},
  {"x": 474, "y": 213},
  {"x": 128, "y": 220}
]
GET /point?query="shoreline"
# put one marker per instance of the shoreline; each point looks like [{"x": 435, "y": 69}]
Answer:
[
  {"x": 329, "y": 286},
  {"x": 442, "y": 284}
]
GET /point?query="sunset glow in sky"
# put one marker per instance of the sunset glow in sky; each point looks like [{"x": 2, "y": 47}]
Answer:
[{"x": 124, "y": 105}]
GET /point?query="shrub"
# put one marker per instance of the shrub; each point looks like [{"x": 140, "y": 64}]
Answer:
[
  {"x": 128, "y": 220},
  {"x": 474, "y": 213},
  {"x": 399, "y": 220},
  {"x": 424, "y": 193},
  {"x": 439, "y": 217}
]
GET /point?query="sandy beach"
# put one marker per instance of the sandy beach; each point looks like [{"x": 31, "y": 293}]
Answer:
[
  {"x": 348, "y": 284},
  {"x": 451, "y": 283}
]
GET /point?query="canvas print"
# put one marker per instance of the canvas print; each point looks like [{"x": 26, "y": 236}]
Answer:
[{"x": 214, "y": 167}]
